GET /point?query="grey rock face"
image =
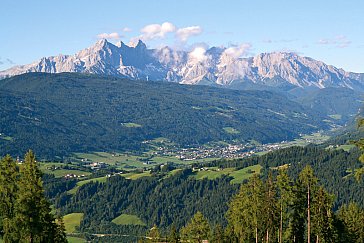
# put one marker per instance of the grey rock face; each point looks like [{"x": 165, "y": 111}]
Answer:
[{"x": 214, "y": 66}]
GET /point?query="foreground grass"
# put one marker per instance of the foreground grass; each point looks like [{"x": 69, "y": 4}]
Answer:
[
  {"x": 128, "y": 219},
  {"x": 71, "y": 221}
]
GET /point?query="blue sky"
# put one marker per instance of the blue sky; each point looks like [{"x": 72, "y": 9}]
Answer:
[{"x": 330, "y": 31}]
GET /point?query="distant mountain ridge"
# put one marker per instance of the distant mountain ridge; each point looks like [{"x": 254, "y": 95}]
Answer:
[{"x": 215, "y": 66}]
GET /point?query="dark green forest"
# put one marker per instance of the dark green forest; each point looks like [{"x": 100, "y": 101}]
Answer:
[
  {"x": 57, "y": 114},
  {"x": 301, "y": 194},
  {"x": 166, "y": 201}
]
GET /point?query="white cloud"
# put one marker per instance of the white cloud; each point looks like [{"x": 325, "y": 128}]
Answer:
[
  {"x": 198, "y": 55},
  {"x": 127, "y": 29},
  {"x": 160, "y": 31},
  {"x": 110, "y": 36},
  {"x": 184, "y": 33},
  {"x": 238, "y": 50},
  {"x": 323, "y": 41},
  {"x": 154, "y": 31},
  {"x": 340, "y": 41}
]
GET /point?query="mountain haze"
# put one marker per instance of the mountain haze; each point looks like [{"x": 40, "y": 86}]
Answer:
[{"x": 215, "y": 66}]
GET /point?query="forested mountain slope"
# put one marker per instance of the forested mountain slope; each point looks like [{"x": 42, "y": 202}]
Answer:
[{"x": 56, "y": 114}]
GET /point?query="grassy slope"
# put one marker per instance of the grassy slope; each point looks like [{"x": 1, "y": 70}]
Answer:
[
  {"x": 72, "y": 239},
  {"x": 238, "y": 175},
  {"x": 71, "y": 221},
  {"x": 127, "y": 219}
]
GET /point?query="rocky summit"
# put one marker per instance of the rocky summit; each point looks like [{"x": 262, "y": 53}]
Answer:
[{"x": 214, "y": 66}]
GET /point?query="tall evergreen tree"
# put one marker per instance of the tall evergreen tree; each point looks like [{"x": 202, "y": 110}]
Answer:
[
  {"x": 270, "y": 215},
  {"x": 309, "y": 182},
  {"x": 285, "y": 198},
  {"x": 173, "y": 236},
  {"x": 33, "y": 220},
  {"x": 323, "y": 217},
  {"x": 154, "y": 235},
  {"x": 239, "y": 216},
  {"x": 218, "y": 234},
  {"x": 8, "y": 191},
  {"x": 197, "y": 230},
  {"x": 360, "y": 144},
  {"x": 353, "y": 218},
  {"x": 245, "y": 215}
]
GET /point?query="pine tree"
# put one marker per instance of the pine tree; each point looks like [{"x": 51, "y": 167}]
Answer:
[
  {"x": 353, "y": 217},
  {"x": 197, "y": 230},
  {"x": 239, "y": 216},
  {"x": 154, "y": 235},
  {"x": 285, "y": 191},
  {"x": 360, "y": 144},
  {"x": 33, "y": 220},
  {"x": 218, "y": 235},
  {"x": 298, "y": 215},
  {"x": 322, "y": 216},
  {"x": 270, "y": 215},
  {"x": 257, "y": 199},
  {"x": 309, "y": 182},
  {"x": 8, "y": 190},
  {"x": 173, "y": 236},
  {"x": 245, "y": 214}
]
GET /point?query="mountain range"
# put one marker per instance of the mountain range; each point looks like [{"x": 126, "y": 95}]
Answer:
[{"x": 216, "y": 66}]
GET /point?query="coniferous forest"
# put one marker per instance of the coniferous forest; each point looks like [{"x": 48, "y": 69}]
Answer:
[{"x": 302, "y": 202}]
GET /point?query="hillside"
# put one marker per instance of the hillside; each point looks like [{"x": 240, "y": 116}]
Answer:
[
  {"x": 174, "y": 197},
  {"x": 56, "y": 114}
]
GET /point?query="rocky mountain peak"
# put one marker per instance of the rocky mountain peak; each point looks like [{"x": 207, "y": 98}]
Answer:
[{"x": 200, "y": 66}]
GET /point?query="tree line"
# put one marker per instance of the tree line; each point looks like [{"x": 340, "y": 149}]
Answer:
[
  {"x": 278, "y": 209},
  {"x": 25, "y": 214}
]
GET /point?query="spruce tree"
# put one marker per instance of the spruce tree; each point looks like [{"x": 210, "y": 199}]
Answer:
[
  {"x": 270, "y": 216},
  {"x": 197, "y": 230},
  {"x": 33, "y": 220},
  {"x": 309, "y": 182},
  {"x": 9, "y": 174},
  {"x": 285, "y": 198},
  {"x": 353, "y": 217},
  {"x": 173, "y": 236},
  {"x": 323, "y": 216},
  {"x": 360, "y": 144}
]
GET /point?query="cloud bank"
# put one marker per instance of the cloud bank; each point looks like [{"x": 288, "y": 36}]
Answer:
[{"x": 110, "y": 36}]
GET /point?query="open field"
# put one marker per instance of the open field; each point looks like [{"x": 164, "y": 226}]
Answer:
[
  {"x": 83, "y": 182},
  {"x": 71, "y": 221},
  {"x": 231, "y": 130},
  {"x": 238, "y": 175},
  {"x": 128, "y": 219},
  {"x": 134, "y": 176},
  {"x": 131, "y": 124},
  {"x": 246, "y": 173},
  {"x": 72, "y": 239},
  {"x": 129, "y": 162},
  {"x": 336, "y": 116},
  {"x": 49, "y": 168},
  {"x": 346, "y": 147},
  {"x": 212, "y": 173},
  {"x": 315, "y": 138}
]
